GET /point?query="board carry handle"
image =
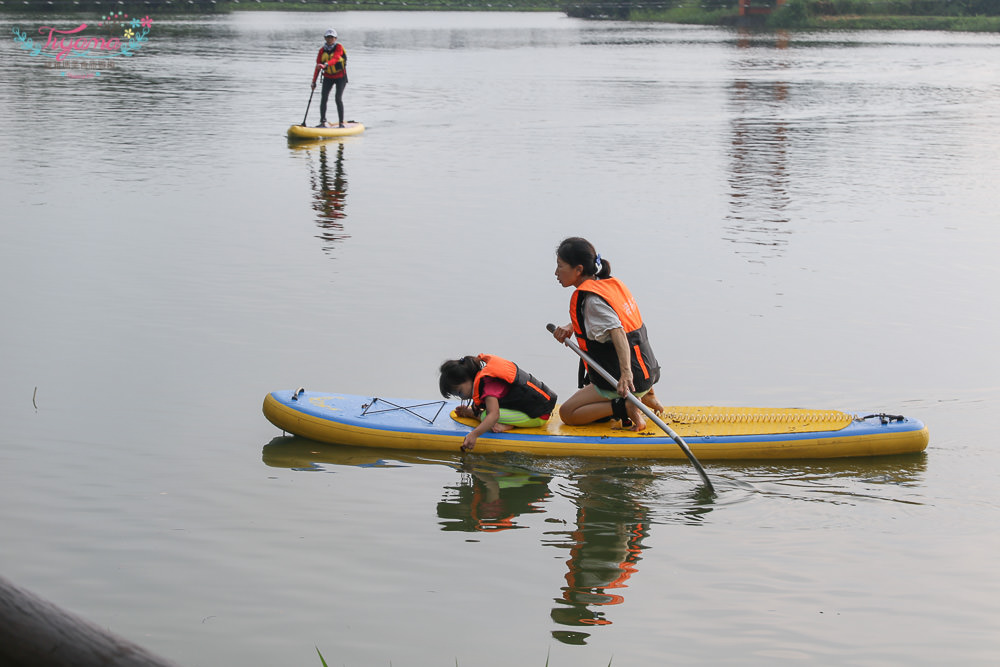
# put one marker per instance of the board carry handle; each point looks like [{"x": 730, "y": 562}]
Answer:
[{"x": 631, "y": 398}]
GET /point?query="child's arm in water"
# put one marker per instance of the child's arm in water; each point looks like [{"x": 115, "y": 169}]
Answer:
[{"x": 489, "y": 421}]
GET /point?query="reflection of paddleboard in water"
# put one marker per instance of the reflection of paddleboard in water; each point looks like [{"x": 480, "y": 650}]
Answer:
[{"x": 351, "y": 127}]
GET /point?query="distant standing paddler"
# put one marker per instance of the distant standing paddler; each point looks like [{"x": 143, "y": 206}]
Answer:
[{"x": 332, "y": 61}]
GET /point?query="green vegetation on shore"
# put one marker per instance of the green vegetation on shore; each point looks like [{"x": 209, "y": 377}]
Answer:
[
  {"x": 791, "y": 18},
  {"x": 970, "y": 15},
  {"x": 958, "y": 15},
  {"x": 952, "y": 23}
]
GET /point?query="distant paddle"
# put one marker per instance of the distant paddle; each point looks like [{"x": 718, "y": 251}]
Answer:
[
  {"x": 639, "y": 404},
  {"x": 307, "y": 105}
]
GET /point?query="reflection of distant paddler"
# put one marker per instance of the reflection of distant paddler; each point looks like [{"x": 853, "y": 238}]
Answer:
[
  {"x": 604, "y": 551},
  {"x": 331, "y": 186},
  {"x": 489, "y": 499},
  {"x": 330, "y": 194}
]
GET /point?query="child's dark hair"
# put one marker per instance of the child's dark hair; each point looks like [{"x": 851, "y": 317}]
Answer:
[
  {"x": 456, "y": 371},
  {"x": 577, "y": 251}
]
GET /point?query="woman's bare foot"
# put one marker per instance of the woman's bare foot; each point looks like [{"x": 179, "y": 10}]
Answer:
[
  {"x": 652, "y": 402},
  {"x": 635, "y": 414},
  {"x": 500, "y": 428}
]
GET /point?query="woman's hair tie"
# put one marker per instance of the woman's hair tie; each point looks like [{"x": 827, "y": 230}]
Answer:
[{"x": 597, "y": 264}]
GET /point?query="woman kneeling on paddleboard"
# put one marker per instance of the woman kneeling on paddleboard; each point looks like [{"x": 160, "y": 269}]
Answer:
[
  {"x": 606, "y": 322},
  {"x": 503, "y": 396}
]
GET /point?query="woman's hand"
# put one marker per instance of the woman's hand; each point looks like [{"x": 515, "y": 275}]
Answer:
[
  {"x": 625, "y": 384},
  {"x": 562, "y": 333}
]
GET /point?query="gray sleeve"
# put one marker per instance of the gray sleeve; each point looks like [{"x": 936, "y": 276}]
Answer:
[{"x": 600, "y": 319}]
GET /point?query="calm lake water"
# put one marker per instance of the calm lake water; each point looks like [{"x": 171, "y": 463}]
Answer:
[{"x": 806, "y": 220}]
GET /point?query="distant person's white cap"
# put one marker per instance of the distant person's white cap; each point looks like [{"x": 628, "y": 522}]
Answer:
[{"x": 330, "y": 33}]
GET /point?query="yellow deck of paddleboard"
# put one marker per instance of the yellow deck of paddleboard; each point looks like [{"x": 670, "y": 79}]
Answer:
[
  {"x": 691, "y": 421},
  {"x": 305, "y": 132}
]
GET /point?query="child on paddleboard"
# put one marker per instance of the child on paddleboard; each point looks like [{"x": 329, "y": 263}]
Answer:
[{"x": 502, "y": 395}]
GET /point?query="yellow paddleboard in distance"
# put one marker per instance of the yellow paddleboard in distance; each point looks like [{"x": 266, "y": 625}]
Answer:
[{"x": 350, "y": 128}]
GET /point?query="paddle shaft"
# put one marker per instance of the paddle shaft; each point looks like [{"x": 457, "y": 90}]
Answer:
[
  {"x": 631, "y": 398},
  {"x": 307, "y": 105}
]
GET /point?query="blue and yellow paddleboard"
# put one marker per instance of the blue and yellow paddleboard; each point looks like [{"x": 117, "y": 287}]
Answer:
[{"x": 712, "y": 433}]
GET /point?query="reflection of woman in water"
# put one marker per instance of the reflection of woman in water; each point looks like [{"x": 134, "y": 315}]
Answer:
[
  {"x": 330, "y": 196},
  {"x": 604, "y": 551}
]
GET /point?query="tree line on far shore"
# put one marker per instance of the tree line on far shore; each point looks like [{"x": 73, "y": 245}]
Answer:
[
  {"x": 981, "y": 15},
  {"x": 132, "y": 7}
]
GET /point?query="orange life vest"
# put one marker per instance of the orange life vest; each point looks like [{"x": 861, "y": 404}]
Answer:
[
  {"x": 336, "y": 62},
  {"x": 527, "y": 394},
  {"x": 645, "y": 369}
]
